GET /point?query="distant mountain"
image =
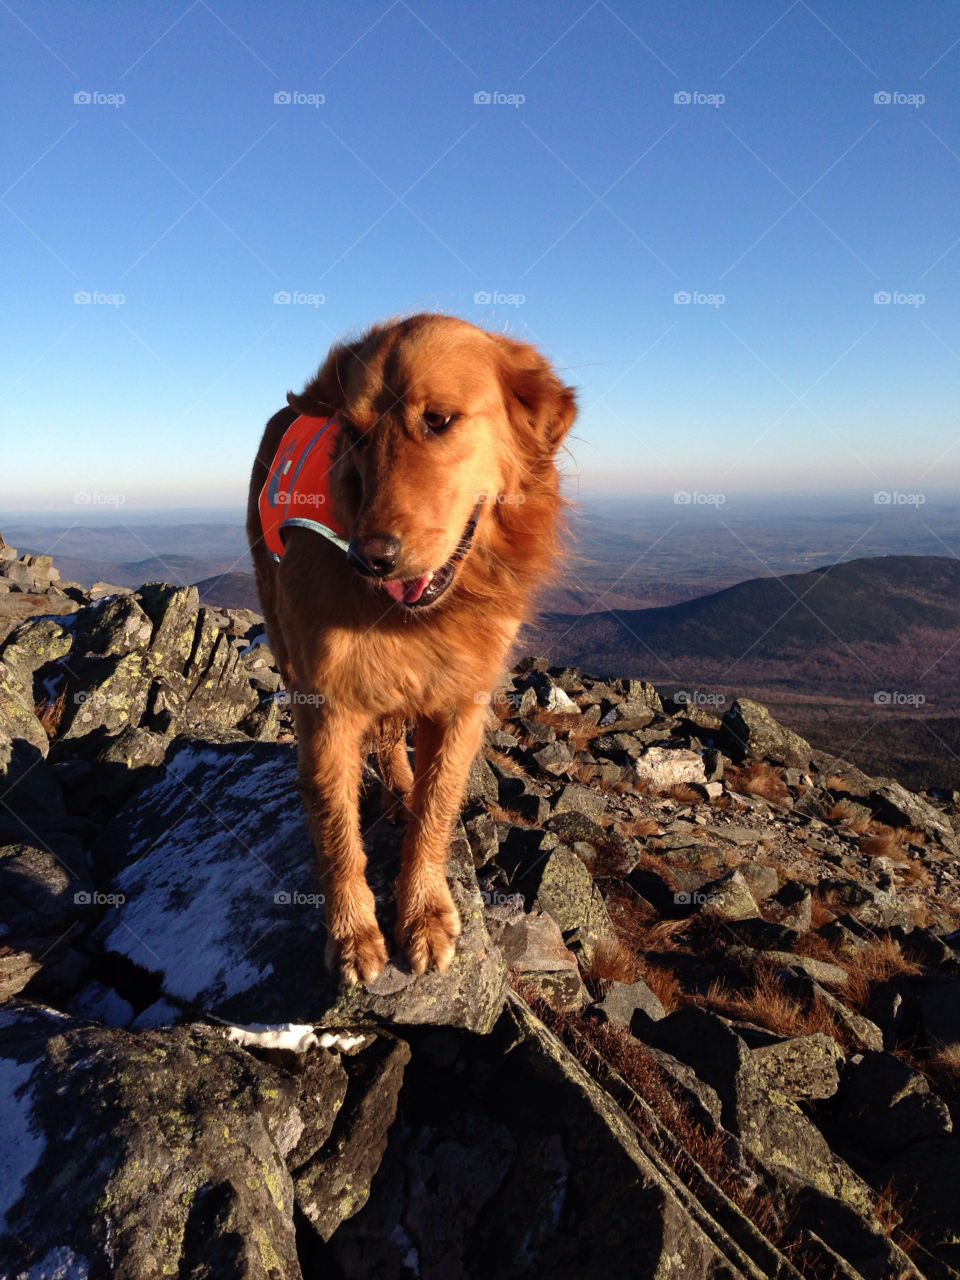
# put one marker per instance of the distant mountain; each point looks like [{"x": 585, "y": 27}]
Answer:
[
  {"x": 862, "y": 657},
  {"x": 230, "y": 591},
  {"x": 846, "y": 611}
]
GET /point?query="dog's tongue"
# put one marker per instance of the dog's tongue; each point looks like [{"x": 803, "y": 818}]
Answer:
[{"x": 408, "y": 592}]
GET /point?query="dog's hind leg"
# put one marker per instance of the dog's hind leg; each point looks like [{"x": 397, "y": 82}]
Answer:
[
  {"x": 329, "y": 743},
  {"x": 428, "y": 923},
  {"x": 394, "y": 765}
]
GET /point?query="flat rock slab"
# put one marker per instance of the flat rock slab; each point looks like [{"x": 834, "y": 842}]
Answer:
[{"x": 220, "y": 900}]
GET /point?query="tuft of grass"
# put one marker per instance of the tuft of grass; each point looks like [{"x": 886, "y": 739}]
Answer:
[
  {"x": 847, "y": 813},
  {"x": 685, "y": 794},
  {"x": 768, "y": 1004},
  {"x": 759, "y": 779},
  {"x": 500, "y": 814},
  {"x": 612, "y": 962},
  {"x": 882, "y": 844},
  {"x": 881, "y": 958},
  {"x": 637, "y": 827},
  {"x": 50, "y": 713}
]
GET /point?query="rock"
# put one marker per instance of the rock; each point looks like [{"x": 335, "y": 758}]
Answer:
[
  {"x": 220, "y": 900},
  {"x": 42, "y": 889},
  {"x": 482, "y": 781},
  {"x": 802, "y": 1067},
  {"x": 567, "y": 893},
  {"x": 157, "y": 1153},
  {"x": 895, "y": 1007},
  {"x": 127, "y": 761},
  {"x": 882, "y": 1105},
  {"x": 548, "y": 1177},
  {"x": 534, "y": 950},
  {"x": 574, "y": 798},
  {"x": 555, "y": 758},
  {"x": 940, "y": 1011},
  {"x": 795, "y": 903},
  {"x": 749, "y": 728},
  {"x": 893, "y": 803},
  {"x": 660, "y": 768},
  {"x": 625, "y": 999},
  {"x": 761, "y": 880},
  {"x": 727, "y": 897},
  {"x": 334, "y": 1182},
  {"x": 696, "y": 1093}
]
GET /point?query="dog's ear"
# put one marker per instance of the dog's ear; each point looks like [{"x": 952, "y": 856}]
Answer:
[
  {"x": 325, "y": 392},
  {"x": 537, "y": 401}
]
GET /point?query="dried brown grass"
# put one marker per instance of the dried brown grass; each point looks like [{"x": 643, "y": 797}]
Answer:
[
  {"x": 842, "y": 811},
  {"x": 768, "y": 1004},
  {"x": 637, "y": 827},
  {"x": 683, "y": 793},
  {"x": 759, "y": 779},
  {"x": 50, "y": 712}
]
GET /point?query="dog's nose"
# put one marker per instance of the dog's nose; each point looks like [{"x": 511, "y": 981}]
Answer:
[{"x": 376, "y": 554}]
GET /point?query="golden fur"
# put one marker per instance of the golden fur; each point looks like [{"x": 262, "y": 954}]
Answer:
[{"x": 377, "y": 662}]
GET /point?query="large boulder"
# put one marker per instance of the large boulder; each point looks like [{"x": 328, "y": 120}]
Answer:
[
  {"x": 142, "y": 1155},
  {"x": 215, "y": 865}
]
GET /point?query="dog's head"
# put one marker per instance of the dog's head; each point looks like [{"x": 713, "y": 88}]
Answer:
[{"x": 446, "y": 456}]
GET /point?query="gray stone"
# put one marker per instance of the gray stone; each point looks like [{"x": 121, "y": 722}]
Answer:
[
  {"x": 625, "y": 999},
  {"x": 567, "y": 893},
  {"x": 215, "y": 863},
  {"x": 802, "y": 1067},
  {"x": 663, "y": 767},
  {"x": 147, "y": 1154}
]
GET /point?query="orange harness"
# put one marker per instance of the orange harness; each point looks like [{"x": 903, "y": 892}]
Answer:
[{"x": 297, "y": 489}]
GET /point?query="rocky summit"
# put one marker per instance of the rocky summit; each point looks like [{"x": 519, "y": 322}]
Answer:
[{"x": 703, "y": 1020}]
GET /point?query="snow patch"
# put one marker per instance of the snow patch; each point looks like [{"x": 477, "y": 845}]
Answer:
[
  {"x": 296, "y": 1036},
  {"x": 23, "y": 1143},
  {"x": 59, "y": 1264}
]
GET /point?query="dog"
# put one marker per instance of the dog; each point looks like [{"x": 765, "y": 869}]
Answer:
[{"x": 403, "y": 510}]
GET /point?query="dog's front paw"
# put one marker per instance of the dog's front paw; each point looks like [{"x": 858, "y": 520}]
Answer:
[
  {"x": 358, "y": 957},
  {"x": 428, "y": 935}
]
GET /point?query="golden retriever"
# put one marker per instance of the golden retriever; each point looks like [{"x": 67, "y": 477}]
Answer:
[{"x": 442, "y": 517}]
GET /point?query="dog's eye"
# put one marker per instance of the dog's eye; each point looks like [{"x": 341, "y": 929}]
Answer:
[{"x": 438, "y": 422}]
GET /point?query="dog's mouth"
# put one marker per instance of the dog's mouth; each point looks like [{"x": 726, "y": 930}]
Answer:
[{"x": 417, "y": 593}]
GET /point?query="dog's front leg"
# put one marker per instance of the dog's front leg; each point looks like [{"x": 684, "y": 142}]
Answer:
[
  {"x": 428, "y": 923},
  {"x": 330, "y": 766}
]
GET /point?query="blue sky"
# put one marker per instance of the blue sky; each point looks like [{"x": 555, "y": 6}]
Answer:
[{"x": 781, "y": 187}]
